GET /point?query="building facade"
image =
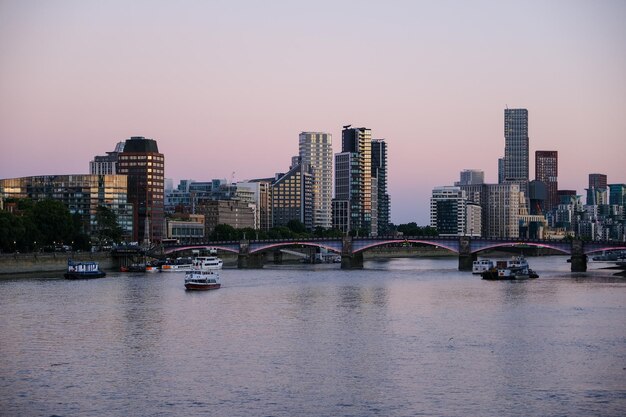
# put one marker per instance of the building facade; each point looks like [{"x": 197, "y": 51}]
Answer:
[
  {"x": 315, "y": 149},
  {"x": 448, "y": 211},
  {"x": 235, "y": 213},
  {"x": 145, "y": 166},
  {"x": 471, "y": 177},
  {"x": 597, "y": 191},
  {"x": 81, "y": 194},
  {"x": 547, "y": 171},
  {"x": 379, "y": 174},
  {"x": 106, "y": 164},
  {"x": 292, "y": 197},
  {"x": 516, "y": 147},
  {"x": 503, "y": 210}
]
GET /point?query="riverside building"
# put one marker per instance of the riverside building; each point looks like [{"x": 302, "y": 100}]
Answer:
[
  {"x": 379, "y": 180},
  {"x": 315, "y": 149},
  {"x": 547, "y": 171},
  {"x": 144, "y": 165},
  {"x": 81, "y": 194},
  {"x": 516, "y": 145}
]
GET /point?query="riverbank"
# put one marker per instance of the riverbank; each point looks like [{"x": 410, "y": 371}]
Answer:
[{"x": 27, "y": 263}]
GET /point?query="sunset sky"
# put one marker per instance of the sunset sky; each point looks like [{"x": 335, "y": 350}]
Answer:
[{"x": 227, "y": 86}]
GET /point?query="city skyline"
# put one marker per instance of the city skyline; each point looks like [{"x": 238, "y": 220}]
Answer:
[{"x": 229, "y": 87}]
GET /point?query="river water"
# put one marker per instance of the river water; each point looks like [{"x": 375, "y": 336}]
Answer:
[{"x": 402, "y": 337}]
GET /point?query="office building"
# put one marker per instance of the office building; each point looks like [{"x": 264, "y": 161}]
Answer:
[
  {"x": 617, "y": 194},
  {"x": 516, "y": 145},
  {"x": 503, "y": 210},
  {"x": 448, "y": 211},
  {"x": 106, "y": 164},
  {"x": 292, "y": 197},
  {"x": 144, "y": 165},
  {"x": 547, "y": 171},
  {"x": 353, "y": 179},
  {"x": 471, "y": 177},
  {"x": 315, "y": 149},
  {"x": 235, "y": 213},
  {"x": 596, "y": 193},
  {"x": 81, "y": 194},
  {"x": 379, "y": 180}
]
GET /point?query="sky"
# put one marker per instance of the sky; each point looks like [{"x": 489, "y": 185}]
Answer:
[{"x": 225, "y": 87}]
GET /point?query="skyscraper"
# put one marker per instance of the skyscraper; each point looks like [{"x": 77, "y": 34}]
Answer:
[
  {"x": 516, "y": 147},
  {"x": 379, "y": 174},
  {"x": 597, "y": 189},
  {"x": 472, "y": 177},
  {"x": 353, "y": 178},
  {"x": 144, "y": 166},
  {"x": 547, "y": 171},
  {"x": 315, "y": 150}
]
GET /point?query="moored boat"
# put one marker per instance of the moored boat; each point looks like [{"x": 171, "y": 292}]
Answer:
[
  {"x": 208, "y": 262},
  {"x": 516, "y": 268},
  {"x": 202, "y": 279},
  {"x": 178, "y": 265},
  {"x": 83, "y": 270},
  {"x": 482, "y": 265}
]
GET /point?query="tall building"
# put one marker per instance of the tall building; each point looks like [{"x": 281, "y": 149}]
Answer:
[
  {"x": 144, "y": 165},
  {"x": 547, "y": 171},
  {"x": 516, "y": 144},
  {"x": 106, "y": 164},
  {"x": 82, "y": 194},
  {"x": 353, "y": 182},
  {"x": 316, "y": 150},
  {"x": 597, "y": 189},
  {"x": 447, "y": 210},
  {"x": 617, "y": 194},
  {"x": 379, "y": 176},
  {"x": 471, "y": 177},
  {"x": 503, "y": 210},
  {"x": 292, "y": 197}
]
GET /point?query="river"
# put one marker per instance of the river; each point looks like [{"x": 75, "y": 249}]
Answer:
[{"x": 402, "y": 337}]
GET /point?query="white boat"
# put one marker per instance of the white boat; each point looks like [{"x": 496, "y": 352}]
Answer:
[
  {"x": 178, "y": 265},
  {"x": 482, "y": 265},
  {"x": 207, "y": 262},
  {"x": 202, "y": 279},
  {"x": 516, "y": 268}
]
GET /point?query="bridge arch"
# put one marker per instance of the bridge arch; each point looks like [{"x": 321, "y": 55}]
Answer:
[
  {"x": 449, "y": 245},
  {"x": 276, "y": 245},
  {"x": 175, "y": 249},
  {"x": 604, "y": 248},
  {"x": 556, "y": 247}
]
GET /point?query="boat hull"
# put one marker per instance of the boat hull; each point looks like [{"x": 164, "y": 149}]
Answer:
[
  {"x": 82, "y": 275},
  {"x": 192, "y": 286}
]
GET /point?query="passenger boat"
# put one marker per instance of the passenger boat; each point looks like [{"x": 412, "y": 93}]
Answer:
[
  {"x": 83, "y": 270},
  {"x": 202, "y": 279},
  {"x": 482, "y": 265},
  {"x": 516, "y": 268},
  {"x": 178, "y": 265},
  {"x": 133, "y": 268},
  {"x": 207, "y": 262}
]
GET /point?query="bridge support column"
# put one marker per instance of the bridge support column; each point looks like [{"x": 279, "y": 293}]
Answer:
[
  {"x": 350, "y": 260},
  {"x": 579, "y": 259},
  {"x": 466, "y": 257},
  {"x": 246, "y": 260},
  {"x": 278, "y": 257}
]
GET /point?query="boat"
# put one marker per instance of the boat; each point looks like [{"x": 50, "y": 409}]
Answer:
[
  {"x": 207, "y": 262},
  {"x": 83, "y": 270},
  {"x": 178, "y": 265},
  {"x": 516, "y": 268},
  {"x": 133, "y": 268},
  {"x": 482, "y": 265},
  {"x": 202, "y": 279}
]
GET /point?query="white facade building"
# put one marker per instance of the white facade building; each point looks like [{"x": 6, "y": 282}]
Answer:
[{"x": 316, "y": 150}]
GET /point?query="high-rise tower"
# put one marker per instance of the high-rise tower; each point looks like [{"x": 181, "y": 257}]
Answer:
[
  {"x": 379, "y": 174},
  {"x": 353, "y": 185},
  {"x": 547, "y": 171},
  {"x": 516, "y": 147},
  {"x": 144, "y": 166},
  {"x": 315, "y": 150}
]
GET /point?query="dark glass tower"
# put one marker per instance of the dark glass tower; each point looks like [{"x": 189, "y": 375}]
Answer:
[
  {"x": 144, "y": 166},
  {"x": 547, "y": 171},
  {"x": 379, "y": 171}
]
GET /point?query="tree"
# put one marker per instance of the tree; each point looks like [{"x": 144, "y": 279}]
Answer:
[
  {"x": 296, "y": 226},
  {"x": 54, "y": 222},
  {"x": 107, "y": 227}
]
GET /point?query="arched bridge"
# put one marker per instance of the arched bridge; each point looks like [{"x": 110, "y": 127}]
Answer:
[{"x": 351, "y": 248}]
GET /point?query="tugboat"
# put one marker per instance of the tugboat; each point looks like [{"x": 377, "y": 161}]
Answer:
[{"x": 83, "y": 270}]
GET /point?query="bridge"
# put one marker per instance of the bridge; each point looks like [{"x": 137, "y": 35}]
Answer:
[{"x": 250, "y": 253}]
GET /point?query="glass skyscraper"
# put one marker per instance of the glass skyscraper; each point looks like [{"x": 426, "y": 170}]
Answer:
[
  {"x": 316, "y": 150},
  {"x": 516, "y": 147}
]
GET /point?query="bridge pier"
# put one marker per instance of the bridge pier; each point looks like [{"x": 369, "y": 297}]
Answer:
[
  {"x": 579, "y": 258},
  {"x": 466, "y": 257},
  {"x": 278, "y": 257},
  {"x": 350, "y": 260},
  {"x": 246, "y": 260}
]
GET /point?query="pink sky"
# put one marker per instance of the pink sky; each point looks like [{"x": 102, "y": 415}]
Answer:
[{"x": 227, "y": 86}]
